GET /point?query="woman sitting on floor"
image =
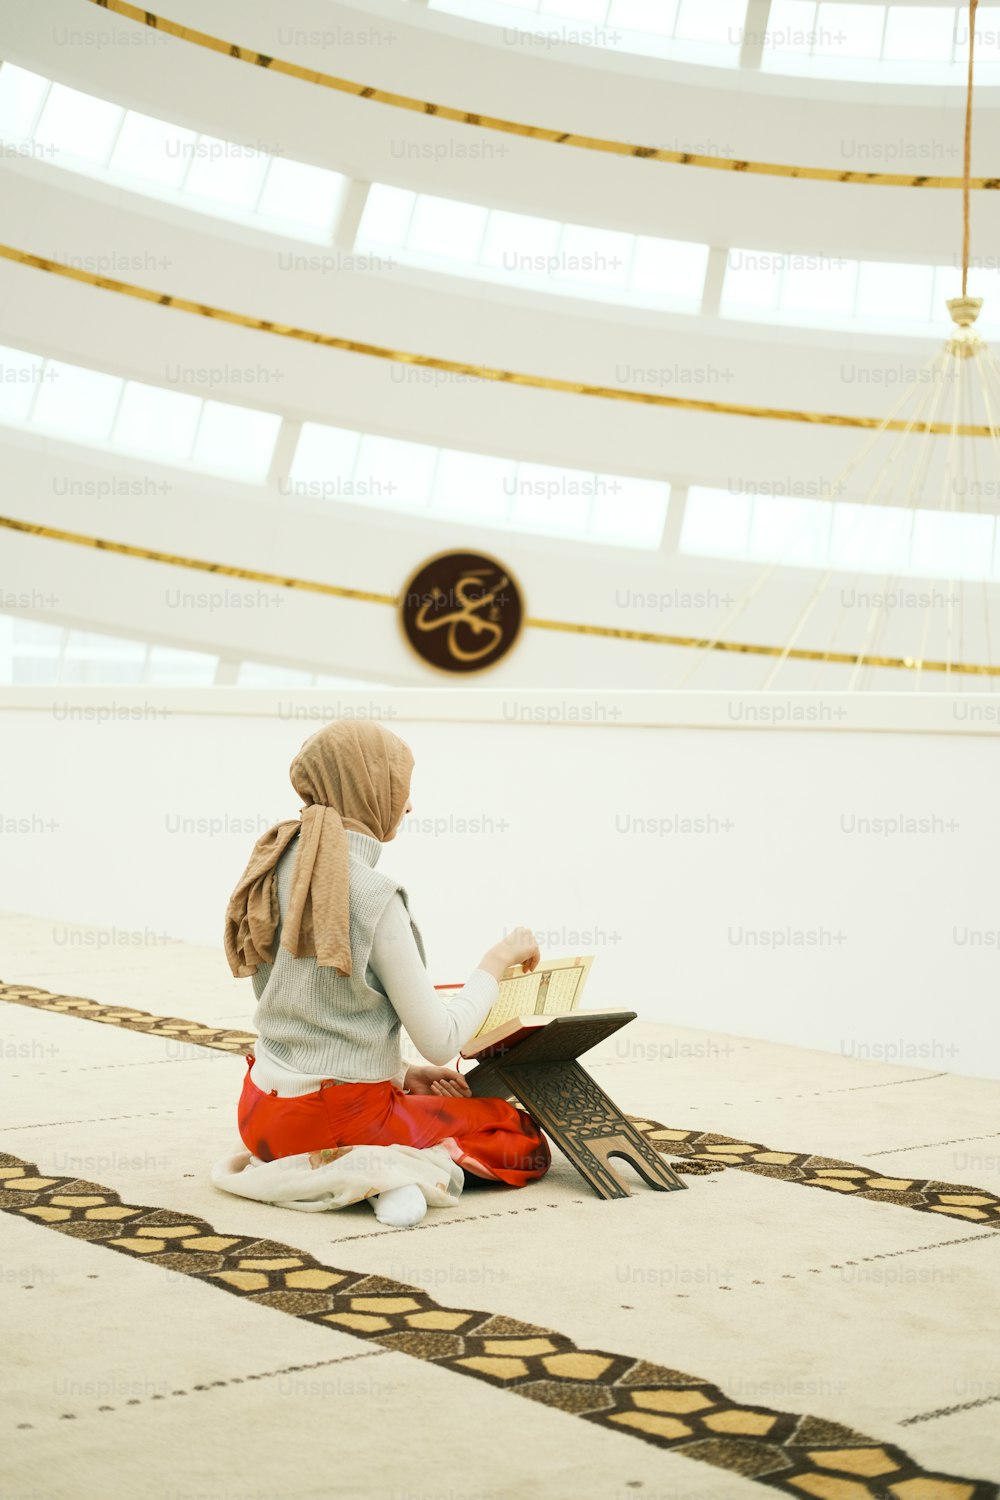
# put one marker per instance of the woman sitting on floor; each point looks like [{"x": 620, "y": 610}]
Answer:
[{"x": 338, "y": 967}]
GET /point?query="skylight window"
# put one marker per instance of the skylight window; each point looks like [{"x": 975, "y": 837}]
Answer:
[
  {"x": 205, "y": 173},
  {"x": 987, "y": 35},
  {"x": 659, "y": 28},
  {"x": 323, "y": 455},
  {"x": 814, "y": 282},
  {"x": 474, "y": 486},
  {"x": 37, "y": 652},
  {"x": 891, "y": 290},
  {"x": 30, "y": 650},
  {"x": 152, "y": 151},
  {"x": 894, "y": 43},
  {"x": 752, "y": 282},
  {"x": 790, "y": 28},
  {"x": 828, "y": 292},
  {"x": 599, "y": 257},
  {"x": 172, "y": 666},
  {"x": 91, "y": 657},
  {"x": 898, "y": 43},
  {"x": 261, "y": 674},
  {"x": 657, "y": 17},
  {"x": 669, "y": 268},
  {"x": 296, "y": 193},
  {"x": 398, "y": 469},
  {"x": 225, "y": 172},
  {"x": 630, "y": 513},
  {"x": 20, "y": 378},
  {"x": 547, "y": 500},
  {"x": 786, "y": 529},
  {"x": 721, "y": 22},
  {"x": 575, "y": 10},
  {"x": 78, "y": 124},
  {"x": 387, "y": 214},
  {"x": 952, "y": 544},
  {"x": 530, "y": 252},
  {"x": 236, "y": 440},
  {"x": 447, "y": 228},
  {"x": 849, "y": 30},
  {"x": 478, "y": 488},
  {"x": 839, "y": 534},
  {"x": 916, "y": 33},
  {"x": 157, "y": 422},
  {"x": 716, "y": 523},
  {"x": 518, "y": 240},
  {"x": 873, "y": 538},
  {"x": 77, "y": 402},
  {"x": 101, "y": 410},
  {"x": 21, "y": 96}
]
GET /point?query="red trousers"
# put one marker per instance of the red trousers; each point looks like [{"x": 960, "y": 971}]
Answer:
[{"x": 487, "y": 1137}]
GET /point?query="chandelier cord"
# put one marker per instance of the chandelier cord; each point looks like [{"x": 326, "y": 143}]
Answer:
[{"x": 967, "y": 171}]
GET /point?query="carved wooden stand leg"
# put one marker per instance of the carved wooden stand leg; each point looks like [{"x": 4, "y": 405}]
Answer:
[{"x": 585, "y": 1124}]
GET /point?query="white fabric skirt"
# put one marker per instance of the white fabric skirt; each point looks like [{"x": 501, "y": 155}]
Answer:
[{"x": 342, "y": 1176}]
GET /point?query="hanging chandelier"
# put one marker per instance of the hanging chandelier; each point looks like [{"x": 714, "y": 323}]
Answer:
[{"x": 913, "y": 490}]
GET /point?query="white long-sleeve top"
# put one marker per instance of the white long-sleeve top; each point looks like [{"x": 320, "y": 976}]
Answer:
[{"x": 436, "y": 1029}]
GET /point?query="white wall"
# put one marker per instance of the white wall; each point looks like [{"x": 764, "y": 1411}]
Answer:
[{"x": 913, "y": 978}]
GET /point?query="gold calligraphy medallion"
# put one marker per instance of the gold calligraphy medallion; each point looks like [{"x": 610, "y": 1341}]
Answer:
[{"x": 461, "y": 611}]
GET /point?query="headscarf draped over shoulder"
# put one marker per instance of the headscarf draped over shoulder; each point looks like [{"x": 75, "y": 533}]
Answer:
[{"x": 350, "y": 775}]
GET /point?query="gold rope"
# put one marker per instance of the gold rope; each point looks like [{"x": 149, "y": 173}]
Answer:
[
  {"x": 459, "y": 367},
  {"x": 513, "y": 127},
  {"x": 570, "y": 627},
  {"x": 968, "y": 150}
]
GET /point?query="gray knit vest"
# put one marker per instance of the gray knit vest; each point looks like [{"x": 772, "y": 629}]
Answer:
[{"x": 320, "y": 1022}]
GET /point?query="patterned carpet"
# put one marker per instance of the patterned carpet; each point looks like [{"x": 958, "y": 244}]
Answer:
[{"x": 802, "y": 1455}]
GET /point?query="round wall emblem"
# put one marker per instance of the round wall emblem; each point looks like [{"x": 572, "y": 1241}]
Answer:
[{"x": 461, "y": 611}]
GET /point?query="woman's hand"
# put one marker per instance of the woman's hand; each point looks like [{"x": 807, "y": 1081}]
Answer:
[
  {"x": 518, "y": 947},
  {"x": 445, "y": 1082}
]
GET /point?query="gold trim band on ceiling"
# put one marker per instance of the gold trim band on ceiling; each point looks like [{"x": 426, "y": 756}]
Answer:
[
  {"x": 477, "y": 372},
  {"x": 513, "y": 127},
  {"x": 568, "y": 627}
]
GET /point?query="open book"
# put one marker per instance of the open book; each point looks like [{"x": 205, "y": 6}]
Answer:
[{"x": 528, "y": 1001}]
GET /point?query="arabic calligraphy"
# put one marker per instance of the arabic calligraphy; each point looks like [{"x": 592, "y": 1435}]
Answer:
[
  {"x": 461, "y": 611},
  {"x": 466, "y": 614}
]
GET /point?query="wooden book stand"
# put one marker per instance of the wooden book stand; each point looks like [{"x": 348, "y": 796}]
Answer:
[{"x": 543, "y": 1075}]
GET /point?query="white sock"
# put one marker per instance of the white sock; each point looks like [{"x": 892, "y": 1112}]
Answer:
[{"x": 400, "y": 1206}]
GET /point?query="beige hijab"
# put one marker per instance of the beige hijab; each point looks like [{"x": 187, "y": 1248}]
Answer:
[{"x": 349, "y": 775}]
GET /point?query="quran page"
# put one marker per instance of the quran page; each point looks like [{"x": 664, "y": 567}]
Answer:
[
  {"x": 554, "y": 988},
  {"x": 563, "y": 990},
  {"x": 518, "y": 996}
]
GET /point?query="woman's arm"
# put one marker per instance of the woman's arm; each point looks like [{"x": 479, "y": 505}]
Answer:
[{"x": 439, "y": 1030}]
